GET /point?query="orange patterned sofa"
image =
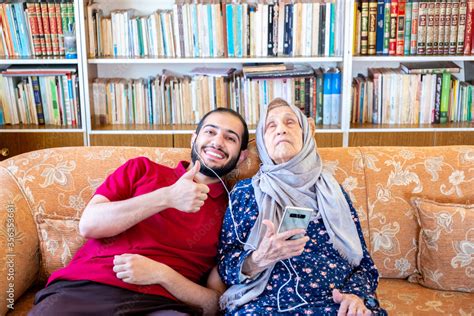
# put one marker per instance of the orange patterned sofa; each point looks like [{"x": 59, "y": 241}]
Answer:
[{"x": 43, "y": 193}]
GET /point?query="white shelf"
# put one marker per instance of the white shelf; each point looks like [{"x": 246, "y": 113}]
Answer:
[
  {"x": 410, "y": 58},
  {"x": 183, "y": 132},
  {"x": 39, "y": 130},
  {"x": 40, "y": 61},
  {"x": 203, "y": 61},
  {"x": 411, "y": 129}
]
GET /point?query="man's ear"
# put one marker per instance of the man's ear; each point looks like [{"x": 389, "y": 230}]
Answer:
[
  {"x": 243, "y": 155},
  {"x": 193, "y": 139}
]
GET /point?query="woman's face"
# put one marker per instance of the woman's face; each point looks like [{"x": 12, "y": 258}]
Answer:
[{"x": 283, "y": 135}]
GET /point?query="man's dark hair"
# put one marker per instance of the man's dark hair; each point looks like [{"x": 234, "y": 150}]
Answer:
[{"x": 245, "y": 136}]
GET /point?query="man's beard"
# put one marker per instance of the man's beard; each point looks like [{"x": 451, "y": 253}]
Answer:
[{"x": 220, "y": 171}]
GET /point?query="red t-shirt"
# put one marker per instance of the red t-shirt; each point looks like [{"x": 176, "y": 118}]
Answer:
[{"x": 187, "y": 242}]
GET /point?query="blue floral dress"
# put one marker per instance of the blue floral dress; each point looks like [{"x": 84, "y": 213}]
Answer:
[{"x": 320, "y": 268}]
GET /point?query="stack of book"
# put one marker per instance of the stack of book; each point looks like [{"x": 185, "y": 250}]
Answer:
[
  {"x": 41, "y": 95},
  {"x": 35, "y": 28},
  {"x": 175, "y": 99},
  {"x": 220, "y": 29},
  {"x": 417, "y": 93},
  {"x": 413, "y": 27},
  {"x": 169, "y": 98}
]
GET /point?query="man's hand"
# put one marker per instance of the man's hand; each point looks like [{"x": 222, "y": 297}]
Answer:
[
  {"x": 273, "y": 248},
  {"x": 140, "y": 270},
  {"x": 350, "y": 304},
  {"x": 187, "y": 195}
]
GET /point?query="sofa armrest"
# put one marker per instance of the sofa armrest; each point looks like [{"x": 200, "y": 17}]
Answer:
[{"x": 19, "y": 242}]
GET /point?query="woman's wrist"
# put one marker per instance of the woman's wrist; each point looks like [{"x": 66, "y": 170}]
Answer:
[{"x": 251, "y": 266}]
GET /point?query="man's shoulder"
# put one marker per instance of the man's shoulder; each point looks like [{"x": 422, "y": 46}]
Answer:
[{"x": 145, "y": 162}]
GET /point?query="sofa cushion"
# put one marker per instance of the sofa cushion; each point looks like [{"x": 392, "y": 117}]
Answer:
[
  {"x": 400, "y": 297},
  {"x": 59, "y": 239},
  {"x": 394, "y": 175},
  {"x": 446, "y": 245}
]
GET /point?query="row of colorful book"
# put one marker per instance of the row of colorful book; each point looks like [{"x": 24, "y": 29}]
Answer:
[
  {"x": 35, "y": 28},
  {"x": 176, "y": 99},
  {"x": 413, "y": 27},
  {"x": 47, "y": 95},
  {"x": 219, "y": 29},
  {"x": 393, "y": 96}
]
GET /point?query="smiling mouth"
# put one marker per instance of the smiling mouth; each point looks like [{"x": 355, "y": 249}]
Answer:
[{"x": 214, "y": 153}]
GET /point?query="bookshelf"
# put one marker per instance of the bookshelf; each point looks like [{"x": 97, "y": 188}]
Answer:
[
  {"x": 343, "y": 134},
  {"x": 140, "y": 67},
  {"x": 22, "y": 137}
]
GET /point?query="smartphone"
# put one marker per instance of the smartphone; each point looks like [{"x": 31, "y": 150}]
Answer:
[{"x": 295, "y": 217}]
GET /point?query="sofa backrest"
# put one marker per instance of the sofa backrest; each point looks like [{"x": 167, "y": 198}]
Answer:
[
  {"x": 58, "y": 183},
  {"x": 393, "y": 176}
]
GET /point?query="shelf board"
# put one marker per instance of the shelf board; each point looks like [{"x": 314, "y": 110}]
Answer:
[
  {"x": 20, "y": 128},
  {"x": 176, "y": 129},
  {"x": 411, "y": 58},
  {"x": 448, "y": 127},
  {"x": 213, "y": 60},
  {"x": 39, "y": 61}
]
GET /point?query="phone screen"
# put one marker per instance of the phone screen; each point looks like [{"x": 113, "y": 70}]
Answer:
[{"x": 295, "y": 217}]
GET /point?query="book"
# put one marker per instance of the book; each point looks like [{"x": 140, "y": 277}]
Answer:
[
  {"x": 429, "y": 67},
  {"x": 379, "y": 37}
]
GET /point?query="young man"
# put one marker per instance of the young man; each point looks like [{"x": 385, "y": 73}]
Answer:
[{"x": 153, "y": 233}]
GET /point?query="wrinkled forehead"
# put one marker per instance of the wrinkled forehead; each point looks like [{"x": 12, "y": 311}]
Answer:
[{"x": 280, "y": 109}]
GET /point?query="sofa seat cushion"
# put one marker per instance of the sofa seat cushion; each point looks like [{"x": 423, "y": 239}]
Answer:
[{"x": 400, "y": 297}]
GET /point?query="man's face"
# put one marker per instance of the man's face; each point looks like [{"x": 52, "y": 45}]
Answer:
[{"x": 218, "y": 144}]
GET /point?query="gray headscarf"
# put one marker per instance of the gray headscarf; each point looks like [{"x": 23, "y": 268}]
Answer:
[{"x": 301, "y": 181}]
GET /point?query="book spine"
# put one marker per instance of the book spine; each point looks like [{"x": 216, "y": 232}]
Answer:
[
  {"x": 364, "y": 28},
  {"x": 46, "y": 28},
  {"x": 422, "y": 20},
  {"x": 287, "y": 38},
  {"x": 322, "y": 29},
  {"x": 436, "y": 109},
  {"x": 436, "y": 27},
  {"x": 445, "y": 97},
  {"x": 454, "y": 28},
  {"x": 59, "y": 28},
  {"x": 336, "y": 97},
  {"x": 401, "y": 28},
  {"x": 33, "y": 21},
  {"x": 441, "y": 26},
  {"x": 319, "y": 97},
  {"x": 38, "y": 103},
  {"x": 380, "y": 28},
  {"x": 393, "y": 27},
  {"x": 327, "y": 98},
  {"x": 408, "y": 11},
  {"x": 430, "y": 27},
  {"x": 461, "y": 27},
  {"x": 372, "y": 28},
  {"x": 414, "y": 27},
  {"x": 447, "y": 26},
  {"x": 270, "y": 41},
  {"x": 386, "y": 27},
  {"x": 468, "y": 32}
]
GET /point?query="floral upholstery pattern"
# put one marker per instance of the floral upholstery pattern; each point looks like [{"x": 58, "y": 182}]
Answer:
[
  {"x": 394, "y": 175},
  {"x": 50, "y": 188},
  {"x": 400, "y": 297},
  {"x": 446, "y": 245}
]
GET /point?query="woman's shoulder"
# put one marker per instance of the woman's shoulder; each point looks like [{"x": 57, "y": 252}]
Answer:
[{"x": 243, "y": 186}]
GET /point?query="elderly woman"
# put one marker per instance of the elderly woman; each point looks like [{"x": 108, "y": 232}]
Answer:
[{"x": 328, "y": 271}]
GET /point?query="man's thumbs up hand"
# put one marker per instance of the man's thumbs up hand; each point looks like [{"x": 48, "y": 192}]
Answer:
[{"x": 187, "y": 195}]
